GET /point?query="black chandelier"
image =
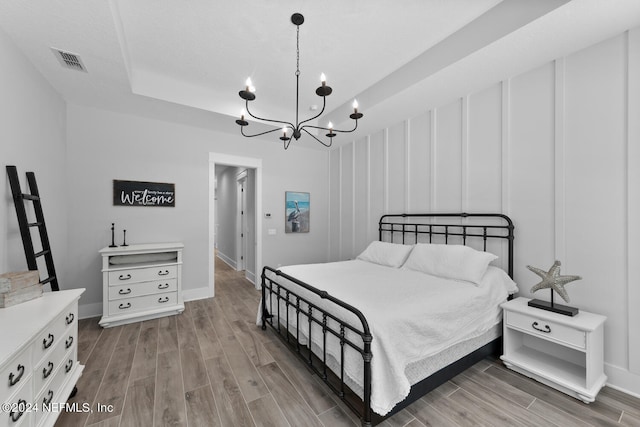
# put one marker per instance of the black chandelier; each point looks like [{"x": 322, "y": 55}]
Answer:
[{"x": 296, "y": 130}]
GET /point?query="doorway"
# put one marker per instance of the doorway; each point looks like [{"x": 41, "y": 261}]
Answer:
[{"x": 251, "y": 254}]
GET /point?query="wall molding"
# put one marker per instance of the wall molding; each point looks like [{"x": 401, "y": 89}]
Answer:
[
  {"x": 464, "y": 153},
  {"x": 633, "y": 198},
  {"x": 433, "y": 115},
  {"x": 505, "y": 143},
  {"x": 559, "y": 163}
]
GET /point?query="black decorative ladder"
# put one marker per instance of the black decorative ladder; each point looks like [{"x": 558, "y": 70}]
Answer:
[{"x": 19, "y": 199}]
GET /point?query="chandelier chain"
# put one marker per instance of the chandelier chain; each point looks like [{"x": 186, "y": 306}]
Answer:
[{"x": 297, "y": 50}]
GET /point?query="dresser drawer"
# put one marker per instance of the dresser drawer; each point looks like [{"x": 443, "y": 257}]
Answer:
[
  {"x": 120, "y": 277},
  {"x": 53, "y": 360},
  {"x": 54, "y": 332},
  {"x": 142, "y": 288},
  {"x": 546, "y": 329},
  {"x": 50, "y": 398},
  {"x": 148, "y": 302},
  {"x": 20, "y": 405},
  {"x": 15, "y": 373}
]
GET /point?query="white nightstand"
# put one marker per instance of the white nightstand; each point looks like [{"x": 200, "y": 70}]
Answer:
[{"x": 563, "y": 352}]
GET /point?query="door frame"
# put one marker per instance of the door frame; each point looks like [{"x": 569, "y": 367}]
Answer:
[{"x": 249, "y": 163}]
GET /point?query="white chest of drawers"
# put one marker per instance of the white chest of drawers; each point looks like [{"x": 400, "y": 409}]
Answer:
[
  {"x": 141, "y": 282},
  {"x": 563, "y": 352},
  {"x": 38, "y": 358}
]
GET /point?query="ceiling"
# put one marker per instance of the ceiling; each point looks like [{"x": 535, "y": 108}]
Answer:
[{"x": 186, "y": 60}]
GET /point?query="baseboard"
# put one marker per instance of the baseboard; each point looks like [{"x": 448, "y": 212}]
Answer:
[
  {"x": 250, "y": 276},
  {"x": 86, "y": 311},
  {"x": 196, "y": 294},
  {"x": 229, "y": 261},
  {"x": 622, "y": 380}
]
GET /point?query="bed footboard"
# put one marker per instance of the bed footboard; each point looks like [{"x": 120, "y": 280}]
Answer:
[{"x": 277, "y": 292}]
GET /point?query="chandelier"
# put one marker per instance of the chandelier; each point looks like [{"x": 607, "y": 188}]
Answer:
[{"x": 292, "y": 131}]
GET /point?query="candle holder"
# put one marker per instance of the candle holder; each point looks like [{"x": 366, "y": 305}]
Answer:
[
  {"x": 124, "y": 238},
  {"x": 113, "y": 242}
]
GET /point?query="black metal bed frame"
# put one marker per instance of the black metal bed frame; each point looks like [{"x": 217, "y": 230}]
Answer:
[{"x": 428, "y": 226}]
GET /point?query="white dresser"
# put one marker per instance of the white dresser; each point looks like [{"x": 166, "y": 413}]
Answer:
[
  {"x": 38, "y": 358},
  {"x": 141, "y": 282}
]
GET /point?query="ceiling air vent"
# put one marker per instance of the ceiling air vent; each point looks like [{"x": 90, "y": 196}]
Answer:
[{"x": 69, "y": 60}]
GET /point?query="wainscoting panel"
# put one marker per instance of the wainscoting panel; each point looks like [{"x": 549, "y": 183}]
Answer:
[
  {"x": 483, "y": 192},
  {"x": 377, "y": 180},
  {"x": 556, "y": 148},
  {"x": 448, "y": 151},
  {"x": 531, "y": 170},
  {"x": 397, "y": 167},
  {"x": 419, "y": 148},
  {"x": 595, "y": 181},
  {"x": 362, "y": 217},
  {"x": 335, "y": 183},
  {"x": 347, "y": 203}
]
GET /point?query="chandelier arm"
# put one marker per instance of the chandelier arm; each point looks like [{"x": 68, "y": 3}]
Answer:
[
  {"x": 324, "y": 104},
  {"x": 314, "y": 137},
  {"x": 268, "y": 120},
  {"x": 257, "y": 134},
  {"x": 332, "y": 130}
]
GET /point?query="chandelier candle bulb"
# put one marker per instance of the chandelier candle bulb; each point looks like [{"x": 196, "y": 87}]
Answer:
[{"x": 323, "y": 79}]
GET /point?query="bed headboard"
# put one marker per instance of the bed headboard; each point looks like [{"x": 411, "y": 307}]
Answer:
[{"x": 478, "y": 230}]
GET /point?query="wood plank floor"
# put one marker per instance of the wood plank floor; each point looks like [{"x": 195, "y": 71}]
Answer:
[{"x": 211, "y": 366}]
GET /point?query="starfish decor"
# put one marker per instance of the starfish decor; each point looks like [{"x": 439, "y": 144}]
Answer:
[{"x": 553, "y": 280}]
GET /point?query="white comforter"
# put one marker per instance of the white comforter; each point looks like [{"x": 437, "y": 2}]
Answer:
[{"x": 411, "y": 316}]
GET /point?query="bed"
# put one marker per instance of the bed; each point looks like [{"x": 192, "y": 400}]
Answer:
[{"x": 413, "y": 310}]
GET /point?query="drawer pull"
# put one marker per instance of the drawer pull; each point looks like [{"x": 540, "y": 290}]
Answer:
[
  {"x": 15, "y": 416},
  {"x": 68, "y": 343},
  {"x": 123, "y": 277},
  {"x": 163, "y": 286},
  {"x": 123, "y": 292},
  {"x": 46, "y": 343},
  {"x": 47, "y": 400},
  {"x": 13, "y": 380},
  {"x": 546, "y": 329},
  {"x": 124, "y": 307},
  {"x": 163, "y": 273},
  {"x": 163, "y": 300},
  {"x": 46, "y": 372},
  {"x": 68, "y": 366},
  {"x": 70, "y": 318}
]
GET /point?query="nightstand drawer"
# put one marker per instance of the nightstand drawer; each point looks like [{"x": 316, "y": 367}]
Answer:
[{"x": 546, "y": 329}]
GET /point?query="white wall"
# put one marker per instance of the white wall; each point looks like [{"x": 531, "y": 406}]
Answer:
[
  {"x": 103, "y": 145},
  {"x": 32, "y": 137},
  {"x": 554, "y": 148}
]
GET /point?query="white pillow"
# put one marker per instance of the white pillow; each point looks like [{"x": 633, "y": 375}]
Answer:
[
  {"x": 449, "y": 261},
  {"x": 384, "y": 253}
]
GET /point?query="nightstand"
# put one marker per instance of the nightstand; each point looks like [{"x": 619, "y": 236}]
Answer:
[{"x": 563, "y": 352}]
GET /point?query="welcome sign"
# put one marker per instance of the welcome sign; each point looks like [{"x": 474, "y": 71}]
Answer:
[{"x": 140, "y": 193}]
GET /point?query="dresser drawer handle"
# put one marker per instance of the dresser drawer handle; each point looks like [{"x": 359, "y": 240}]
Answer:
[
  {"x": 47, "y": 400},
  {"x": 124, "y": 307},
  {"x": 546, "y": 329},
  {"x": 163, "y": 286},
  {"x": 123, "y": 277},
  {"x": 15, "y": 416},
  {"x": 68, "y": 366},
  {"x": 46, "y": 372},
  {"x": 123, "y": 292},
  {"x": 70, "y": 318},
  {"x": 46, "y": 343},
  {"x": 163, "y": 300},
  {"x": 163, "y": 273},
  {"x": 13, "y": 380},
  {"x": 68, "y": 343}
]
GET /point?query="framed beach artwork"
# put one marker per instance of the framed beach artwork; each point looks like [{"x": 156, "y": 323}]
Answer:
[{"x": 296, "y": 212}]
